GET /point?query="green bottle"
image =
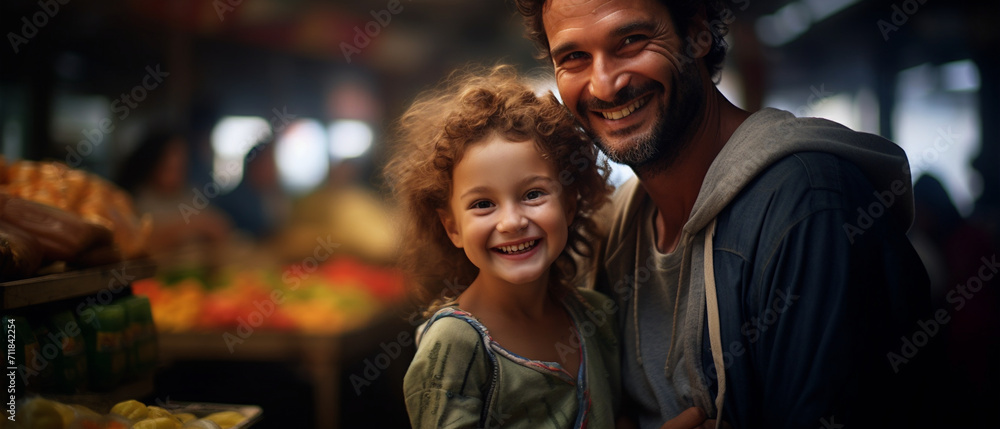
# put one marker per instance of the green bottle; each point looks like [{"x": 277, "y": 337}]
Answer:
[
  {"x": 40, "y": 373},
  {"x": 104, "y": 333},
  {"x": 66, "y": 338},
  {"x": 140, "y": 335}
]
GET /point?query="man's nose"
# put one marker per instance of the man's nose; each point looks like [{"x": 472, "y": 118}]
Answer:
[{"x": 607, "y": 78}]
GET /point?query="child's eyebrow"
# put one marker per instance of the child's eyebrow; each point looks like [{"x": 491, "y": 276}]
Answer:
[
  {"x": 476, "y": 190},
  {"x": 536, "y": 178},
  {"x": 524, "y": 182}
]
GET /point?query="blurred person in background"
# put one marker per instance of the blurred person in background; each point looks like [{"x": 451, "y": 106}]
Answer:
[
  {"x": 258, "y": 205},
  {"x": 184, "y": 224},
  {"x": 961, "y": 257},
  {"x": 344, "y": 211}
]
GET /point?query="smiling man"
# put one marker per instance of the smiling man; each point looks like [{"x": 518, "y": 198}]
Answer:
[{"x": 793, "y": 314}]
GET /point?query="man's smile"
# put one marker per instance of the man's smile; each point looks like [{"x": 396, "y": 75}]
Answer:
[{"x": 625, "y": 111}]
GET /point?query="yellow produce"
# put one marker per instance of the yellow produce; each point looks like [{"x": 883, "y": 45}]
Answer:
[
  {"x": 225, "y": 419},
  {"x": 158, "y": 423},
  {"x": 84, "y": 411},
  {"x": 185, "y": 417},
  {"x": 131, "y": 409},
  {"x": 116, "y": 424},
  {"x": 40, "y": 413},
  {"x": 155, "y": 412},
  {"x": 200, "y": 424}
]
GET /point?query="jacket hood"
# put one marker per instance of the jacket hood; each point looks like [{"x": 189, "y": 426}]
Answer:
[{"x": 771, "y": 134}]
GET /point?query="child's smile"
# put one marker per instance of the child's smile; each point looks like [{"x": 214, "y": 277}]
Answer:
[{"x": 516, "y": 249}]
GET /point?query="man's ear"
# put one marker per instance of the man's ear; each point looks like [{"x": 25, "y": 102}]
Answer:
[
  {"x": 699, "y": 35},
  {"x": 448, "y": 221}
]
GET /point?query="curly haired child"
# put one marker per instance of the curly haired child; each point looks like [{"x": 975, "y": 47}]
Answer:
[{"x": 498, "y": 186}]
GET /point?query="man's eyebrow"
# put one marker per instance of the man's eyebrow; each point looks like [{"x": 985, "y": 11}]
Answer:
[
  {"x": 633, "y": 27},
  {"x": 564, "y": 48},
  {"x": 622, "y": 31}
]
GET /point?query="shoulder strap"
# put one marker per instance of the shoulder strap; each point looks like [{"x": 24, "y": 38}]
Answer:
[
  {"x": 714, "y": 333},
  {"x": 492, "y": 389}
]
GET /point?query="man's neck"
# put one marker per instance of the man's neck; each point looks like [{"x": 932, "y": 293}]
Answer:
[{"x": 675, "y": 189}]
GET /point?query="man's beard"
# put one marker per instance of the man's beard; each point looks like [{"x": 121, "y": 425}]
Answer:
[{"x": 658, "y": 149}]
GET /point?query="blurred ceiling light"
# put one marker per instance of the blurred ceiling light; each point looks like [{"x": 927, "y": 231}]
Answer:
[
  {"x": 301, "y": 156},
  {"x": 937, "y": 122},
  {"x": 915, "y": 82},
  {"x": 350, "y": 138},
  {"x": 960, "y": 76},
  {"x": 795, "y": 18},
  {"x": 232, "y": 138}
]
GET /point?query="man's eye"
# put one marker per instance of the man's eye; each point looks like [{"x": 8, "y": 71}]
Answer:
[
  {"x": 632, "y": 39},
  {"x": 572, "y": 56}
]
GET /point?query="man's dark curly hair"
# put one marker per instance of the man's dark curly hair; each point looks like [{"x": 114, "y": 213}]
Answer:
[{"x": 683, "y": 11}]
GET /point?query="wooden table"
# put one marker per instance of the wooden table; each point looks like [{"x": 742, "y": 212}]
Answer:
[{"x": 104, "y": 282}]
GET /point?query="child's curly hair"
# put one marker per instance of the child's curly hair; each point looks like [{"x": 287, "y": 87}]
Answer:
[{"x": 431, "y": 138}]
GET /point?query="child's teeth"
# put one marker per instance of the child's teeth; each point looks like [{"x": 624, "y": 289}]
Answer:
[{"x": 517, "y": 247}]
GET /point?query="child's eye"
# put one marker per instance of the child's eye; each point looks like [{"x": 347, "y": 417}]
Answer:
[
  {"x": 481, "y": 204},
  {"x": 534, "y": 194}
]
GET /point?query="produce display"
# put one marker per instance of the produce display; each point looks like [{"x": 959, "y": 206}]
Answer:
[
  {"x": 78, "y": 341},
  {"x": 335, "y": 296},
  {"x": 51, "y": 213},
  {"x": 43, "y": 413},
  {"x": 57, "y": 352}
]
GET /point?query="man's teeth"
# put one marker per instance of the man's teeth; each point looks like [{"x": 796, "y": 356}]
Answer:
[
  {"x": 624, "y": 112},
  {"x": 517, "y": 247}
]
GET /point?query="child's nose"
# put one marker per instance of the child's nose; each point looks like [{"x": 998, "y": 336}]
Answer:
[{"x": 512, "y": 220}]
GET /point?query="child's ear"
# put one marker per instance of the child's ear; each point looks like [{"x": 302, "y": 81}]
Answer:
[
  {"x": 448, "y": 221},
  {"x": 570, "y": 203}
]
